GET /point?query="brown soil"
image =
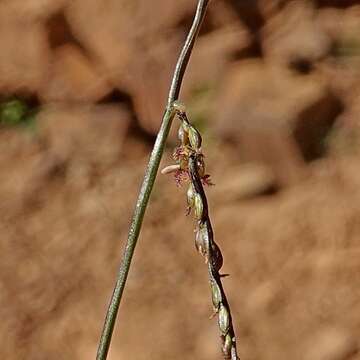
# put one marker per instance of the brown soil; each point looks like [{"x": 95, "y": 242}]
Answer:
[{"x": 288, "y": 224}]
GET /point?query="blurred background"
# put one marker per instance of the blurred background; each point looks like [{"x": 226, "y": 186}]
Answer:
[{"x": 274, "y": 87}]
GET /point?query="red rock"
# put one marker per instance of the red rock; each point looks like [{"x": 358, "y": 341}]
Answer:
[
  {"x": 269, "y": 112},
  {"x": 32, "y": 9},
  {"x": 138, "y": 52},
  {"x": 149, "y": 81},
  {"x": 342, "y": 67},
  {"x": 93, "y": 134},
  {"x": 293, "y": 36},
  {"x": 73, "y": 77},
  {"x": 250, "y": 13},
  {"x": 244, "y": 182},
  {"x": 151, "y": 75},
  {"x": 211, "y": 55},
  {"x": 220, "y": 14},
  {"x": 270, "y": 8},
  {"x": 331, "y": 344},
  {"x": 112, "y": 32},
  {"x": 24, "y": 56}
]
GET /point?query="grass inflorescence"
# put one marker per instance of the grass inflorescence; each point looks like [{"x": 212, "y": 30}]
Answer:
[{"x": 190, "y": 167}]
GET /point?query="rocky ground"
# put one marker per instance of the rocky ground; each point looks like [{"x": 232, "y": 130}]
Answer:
[{"x": 274, "y": 87}]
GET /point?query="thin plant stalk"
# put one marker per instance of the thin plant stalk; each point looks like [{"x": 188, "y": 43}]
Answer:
[{"x": 148, "y": 182}]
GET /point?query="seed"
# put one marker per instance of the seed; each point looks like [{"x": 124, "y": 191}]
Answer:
[
  {"x": 194, "y": 138},
  {"x": 227, "y": 347},
  {"x": 216, "y": 295},
  {"x": 183, "y": 135},
  {"x": 199, "y": 243},
  {"x": 224, "y": 320},
  {"x": 199, "y": 207},
  {"x": 202, "y": 242},
  {"x": 190, "y": 196}
]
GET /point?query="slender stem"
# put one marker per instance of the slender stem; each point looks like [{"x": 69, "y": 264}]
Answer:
[
  {"x": 148, "y": 182},
  {"x": 186, "y": 51}
]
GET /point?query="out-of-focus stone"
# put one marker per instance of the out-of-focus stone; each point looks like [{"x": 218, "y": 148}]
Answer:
[
  {"x": 293, "y": 37},
  {"x": 342, "y": 67},
  {"x": 249, "y": 12},
  {"x": 246, "y": 181},
  {"x": 340, "y": 23},
  {"x": 221, "y": 13},
  {"x": 270, "y": 8},
  {"x": 267, "y": 111},
  {"x": 331, "y": 344},
  {"x": 336, "y": 3},
  {"x": 80, "y": 142},
  {"x": 92, "y": 134},
  {"x": 148, "y": 81},
  {"x": 151, "y": 74},
  {"x": 345, "y": 139},
  {"x": 115, "y": 32},
  {"x": 73, "y": 77},
  {"x": 24, "y": 55},
  {"x": 266, "y": 298},
  {"x": 139, "y": 51},
  {"x": 211, "y": 55},
  {"x": 31, "y": 9}
]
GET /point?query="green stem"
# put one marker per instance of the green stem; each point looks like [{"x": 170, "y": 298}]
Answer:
[{"x": 148, "y": 182}]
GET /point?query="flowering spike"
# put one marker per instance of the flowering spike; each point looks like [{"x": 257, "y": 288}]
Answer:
[{"x": 190, "y": 166}]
